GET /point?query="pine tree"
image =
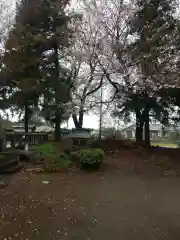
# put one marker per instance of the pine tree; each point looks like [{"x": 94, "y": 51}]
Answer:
[
  {"x": 33, "y": 52},
  {"x": 153, "y": 27},
  {"x": 22, "y": 61}
]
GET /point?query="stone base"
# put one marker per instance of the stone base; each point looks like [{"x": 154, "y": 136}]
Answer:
[{"x": 2, "y": 184}]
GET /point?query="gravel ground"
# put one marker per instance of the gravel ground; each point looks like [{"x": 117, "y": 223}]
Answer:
[{"x": 89, "y": 206}]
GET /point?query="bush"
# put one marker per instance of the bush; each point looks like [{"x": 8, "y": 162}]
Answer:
[
  {"x": 54, "y": 159},
  {"x": 91, "y": 158}
]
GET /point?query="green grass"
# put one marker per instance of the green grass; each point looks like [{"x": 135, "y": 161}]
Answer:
[
  {"x": 164, "y": 144},
  {"x": 54, "y": 159}
]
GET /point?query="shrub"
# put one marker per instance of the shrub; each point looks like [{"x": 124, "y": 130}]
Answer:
[
  {"x": 54, "y": 159},
  {"x": 91, "y": 158}
]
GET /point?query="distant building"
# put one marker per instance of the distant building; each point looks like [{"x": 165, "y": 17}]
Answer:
[
  {"x": 156, "y": 130},
  {"x": 19, "y": 127},
  {"x": 44, "y": 128},
  {"x": 83, "y": 133}
]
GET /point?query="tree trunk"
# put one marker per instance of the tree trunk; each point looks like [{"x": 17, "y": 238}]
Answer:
[
  {"x": 139, "y": 133},
  {"x": 26, "y": 118},
  {"x": 146, "y": 128},
  {"x": 75, "y": 120},
  {"x": 78, "y": 123},
  {"x": 57, "y": 113},
  {"x": 139, "y": 128},
  {"x": 1, "y": 144},
  {"x": 57, "y": 132},
  {"x": 81, "y": 117}
]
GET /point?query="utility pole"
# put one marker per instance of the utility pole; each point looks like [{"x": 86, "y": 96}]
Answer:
[{"x": 101, "y": 113}]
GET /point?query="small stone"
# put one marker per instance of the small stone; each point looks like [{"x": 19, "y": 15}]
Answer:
[
  {"x": 2, "y": 183},
  {"x": 45, "y": 182}
]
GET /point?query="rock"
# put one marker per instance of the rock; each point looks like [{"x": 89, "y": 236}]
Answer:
[
  {"x": 2, "y": 183},
  {"x": 45, "y": 182},
  {"x": 34, "y": 170}
]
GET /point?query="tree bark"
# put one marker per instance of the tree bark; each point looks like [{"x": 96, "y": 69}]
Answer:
[
  {"x": 78, "y": 120},
  {"x": 57, "y": 132},
  {"x": 139, "y": 127},
  {"x": 57, "y": 112},
  {"x": 139, "y": 133},
  {"x": 81, "y": 117},
  {"x": 26, "y": 118},
  {"x": 146, "y": 127},
  {"x": 77, "y": 124},
  {"x": 75, "y": 120}
]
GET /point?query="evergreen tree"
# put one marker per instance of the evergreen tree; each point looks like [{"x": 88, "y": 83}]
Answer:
[
  {"x": 153, "y": 27},
  {"x": 33, "y": 52}
]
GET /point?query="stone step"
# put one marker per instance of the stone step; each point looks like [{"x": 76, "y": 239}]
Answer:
[
  {"x": 8, "y": 163},
  {"x": 12, "y": 169},
  {"x": 23, "y": 155}
]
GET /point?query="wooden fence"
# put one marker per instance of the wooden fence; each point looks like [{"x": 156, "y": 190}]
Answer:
[{"x": 30, "y": 138}]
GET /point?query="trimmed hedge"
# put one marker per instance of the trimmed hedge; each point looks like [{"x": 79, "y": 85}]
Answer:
[{"x": 90, "y": 158}]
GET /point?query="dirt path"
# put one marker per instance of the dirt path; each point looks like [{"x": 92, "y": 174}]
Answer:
[{"x": 90, "y": 206}]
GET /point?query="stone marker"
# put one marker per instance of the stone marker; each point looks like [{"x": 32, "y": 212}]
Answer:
[{"x": 2, "y": 183}]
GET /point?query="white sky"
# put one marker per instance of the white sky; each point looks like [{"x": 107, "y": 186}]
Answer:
[
  {"x": 12, "y": 2},
  {"x": 90, "y": 121}
]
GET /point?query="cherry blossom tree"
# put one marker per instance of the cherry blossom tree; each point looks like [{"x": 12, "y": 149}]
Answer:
[{"x": 98, "y": 53}]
